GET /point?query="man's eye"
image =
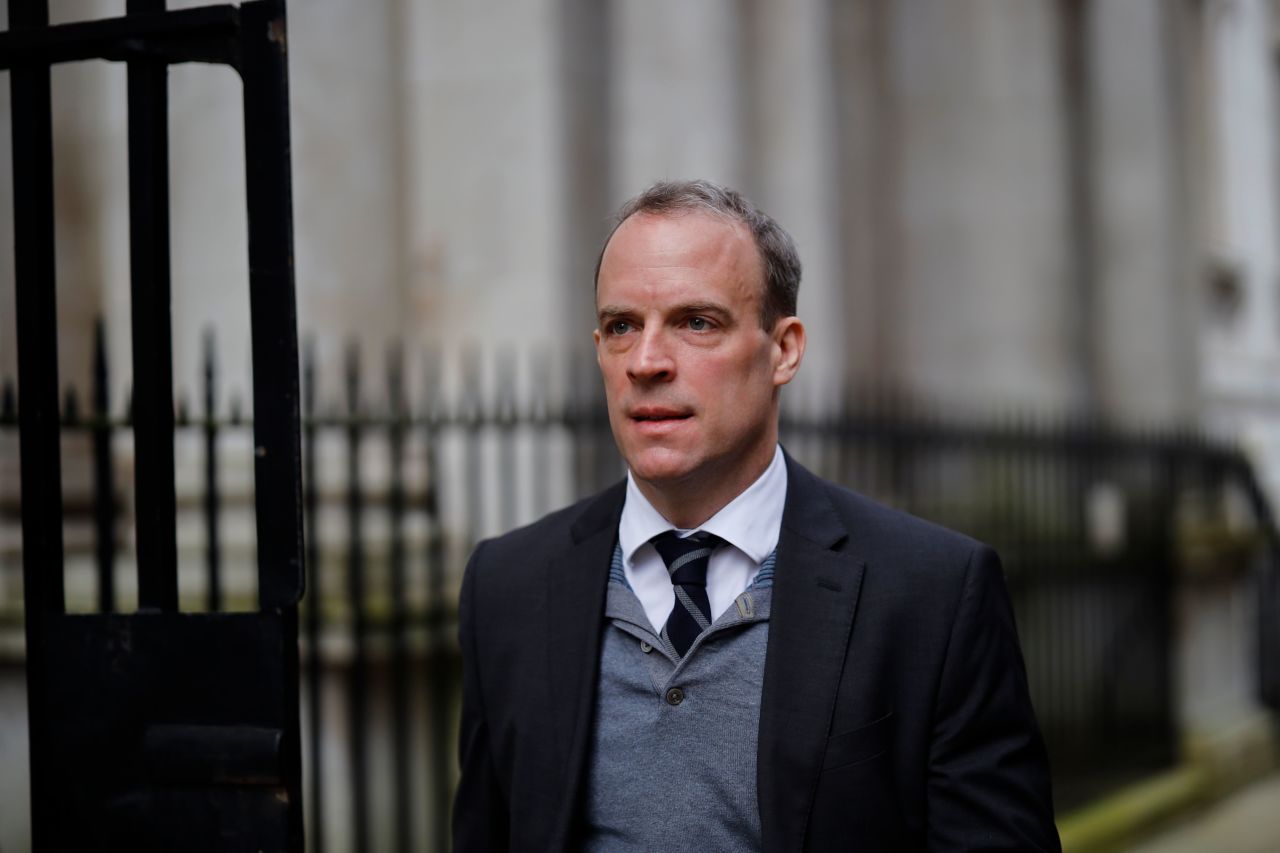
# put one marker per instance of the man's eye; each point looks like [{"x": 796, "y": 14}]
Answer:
[
  {"x": 699, "y": 324},
  {"x": 619, "y": 327}
]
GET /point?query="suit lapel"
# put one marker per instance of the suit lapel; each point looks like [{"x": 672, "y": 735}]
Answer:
[
  {"x": 577, "y": 580},
  {"x": 815, "y": 595}
]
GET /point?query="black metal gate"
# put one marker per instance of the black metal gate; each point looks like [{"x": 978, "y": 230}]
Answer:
[{"x": 160, "y": 730}]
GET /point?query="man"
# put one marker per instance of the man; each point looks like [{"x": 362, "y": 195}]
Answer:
[{"x": 725, "y": 652}]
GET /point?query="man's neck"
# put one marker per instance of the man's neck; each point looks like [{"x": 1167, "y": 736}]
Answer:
[{"x": 689, "y": 503}]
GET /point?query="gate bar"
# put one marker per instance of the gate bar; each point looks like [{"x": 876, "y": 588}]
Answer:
[
  {"x": 205, "y": 34},
  {"x": 273, "y": 321},
  {"x": 273, "y": 315},
  {"x": 156, "y": 514},
  {"x": 37, "y": 325},
  {"x": 37, "y": 338}
]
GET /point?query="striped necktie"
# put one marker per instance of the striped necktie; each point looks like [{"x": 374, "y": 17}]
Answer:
[{"x": 686, "y": 561}]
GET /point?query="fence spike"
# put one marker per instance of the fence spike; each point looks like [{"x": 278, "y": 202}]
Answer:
[
  {"x": 212, "y": 508},
  {"x": 352, "y": 366},
  {"x": 101, "y": 378},
  {"x": 472, "y": 393},
  {"x": 309, "y": 375},
  {"x": 540, "y": 385},
  {"x": 210, "y": 375},
  {"x": 104, "y": 486},
  {"x": 8, "y": 403},
  {"x": 431, "y": 371},
  {"x": 395, "y": 379},
  {"x": 71, "y": 406},
  {"x": 506, "y": 378},
  {"x": 357, "y": 701}
]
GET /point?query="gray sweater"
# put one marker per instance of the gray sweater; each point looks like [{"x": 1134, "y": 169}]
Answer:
[{"x": 673, "y": 753}]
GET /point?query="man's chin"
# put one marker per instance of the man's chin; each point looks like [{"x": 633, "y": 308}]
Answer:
[{"x": 662, "y": 469}]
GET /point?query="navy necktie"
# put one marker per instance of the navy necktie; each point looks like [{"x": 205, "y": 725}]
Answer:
[{"x": 686, "y": 561}]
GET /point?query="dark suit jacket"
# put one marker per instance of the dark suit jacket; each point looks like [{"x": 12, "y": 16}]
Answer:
[{"x": 894, "y": 714}]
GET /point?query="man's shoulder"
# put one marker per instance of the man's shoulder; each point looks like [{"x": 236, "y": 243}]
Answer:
[
  {"x": 874, "y": 515},
  {"x": 880, "y": 528}
]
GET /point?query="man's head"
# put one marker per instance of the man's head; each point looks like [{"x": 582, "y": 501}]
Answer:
[
  {"x": 781, "y": 261},
  {"x": 696, "y": 333}
]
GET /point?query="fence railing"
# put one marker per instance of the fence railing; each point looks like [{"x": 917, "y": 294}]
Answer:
[{"x": 1095, "y": 528}]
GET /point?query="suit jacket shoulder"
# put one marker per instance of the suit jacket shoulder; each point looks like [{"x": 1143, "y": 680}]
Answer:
[
  {"x": 507, "y": 568},
  {"x": 896, "y": 707},
  {"x": 557, "y": 530},
  {"x": 883, "y": 530}
]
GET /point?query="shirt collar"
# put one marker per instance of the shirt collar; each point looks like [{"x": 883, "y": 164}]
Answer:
[{"x": 750, "y": 522}]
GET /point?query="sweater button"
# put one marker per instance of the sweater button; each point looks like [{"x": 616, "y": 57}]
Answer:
[
  {"x": 675, "y": 696},
  {"x": 645, "y": 647}
]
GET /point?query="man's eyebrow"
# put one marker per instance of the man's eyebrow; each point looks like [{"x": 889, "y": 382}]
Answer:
[
  {"x": 702, "y": 308},
  {"x": 683, "y": 309},
  {"x": 613, "y": 311}
]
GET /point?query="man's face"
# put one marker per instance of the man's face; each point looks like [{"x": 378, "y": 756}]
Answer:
[{"x": 690, "y": 376}]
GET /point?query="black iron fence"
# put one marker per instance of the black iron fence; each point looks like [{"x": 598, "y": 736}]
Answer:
[{"x": 1096, "y": 528}]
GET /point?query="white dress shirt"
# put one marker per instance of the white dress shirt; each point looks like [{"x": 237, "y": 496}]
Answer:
[{"x": 749, "y": 524}]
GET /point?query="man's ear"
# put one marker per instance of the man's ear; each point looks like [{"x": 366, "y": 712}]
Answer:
[
  {"x": 595, "y": 336},
  {"x": 788, "y": 346}
]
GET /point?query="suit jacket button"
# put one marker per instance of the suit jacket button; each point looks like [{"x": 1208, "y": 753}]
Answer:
[
  {"x": 675, "y": 696},
  {"x": 645, "y": 647}
]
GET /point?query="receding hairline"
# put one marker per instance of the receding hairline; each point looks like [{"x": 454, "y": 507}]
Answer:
[
  {"x": 741, "y": 228},
  {"x": 780, "y": 267}
]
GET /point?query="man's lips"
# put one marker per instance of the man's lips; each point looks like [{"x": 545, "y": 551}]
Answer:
[
  {"x": 652, "y": 414},
  {"x": 657, "y": 421}
]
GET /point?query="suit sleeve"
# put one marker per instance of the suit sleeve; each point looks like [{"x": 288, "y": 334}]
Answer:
[
  {"x": 988, "y": 786},
  {"x": 480, "y": 812}
]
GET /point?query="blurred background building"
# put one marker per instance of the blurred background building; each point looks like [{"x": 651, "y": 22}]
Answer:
[{"x": 1059, "y": 207}]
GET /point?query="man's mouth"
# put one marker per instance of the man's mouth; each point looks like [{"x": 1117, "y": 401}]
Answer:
[
  {"x": 658, "y": 415},
  {"x": 658, "y": 421}
]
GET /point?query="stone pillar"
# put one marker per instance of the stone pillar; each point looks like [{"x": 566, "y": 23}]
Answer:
[
  {"x": 486, "y": 199},
  {"x": 984, "y": 309},
  {"x": 349, "y": 186},
  {"x": 1143, "y": 327},
  {"x": 586, "y": 74},
  {"x": 1215, "y": 623},
  {"x": 677, "y": 94},
  {"x": 793, "y": 166},
  {"x": 1241, "y": 119},
  {"x": 868, "y": 181}
]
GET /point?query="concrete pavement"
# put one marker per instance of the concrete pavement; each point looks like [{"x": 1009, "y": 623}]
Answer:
[{"x": 1246, "y": 822}]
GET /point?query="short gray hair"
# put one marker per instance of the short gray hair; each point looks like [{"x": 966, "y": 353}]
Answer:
[{"x": 777, "y": 250}]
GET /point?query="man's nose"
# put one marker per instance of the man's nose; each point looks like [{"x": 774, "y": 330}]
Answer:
[{"x": 651, "y": 358}]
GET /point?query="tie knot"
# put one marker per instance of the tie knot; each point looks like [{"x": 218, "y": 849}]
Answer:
[{"x": 687, "y": 557}]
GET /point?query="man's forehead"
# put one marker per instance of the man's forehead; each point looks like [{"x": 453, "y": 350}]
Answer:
[
  {"x": 692, "y": 225},
  {"x": 693, "y": 245}
]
